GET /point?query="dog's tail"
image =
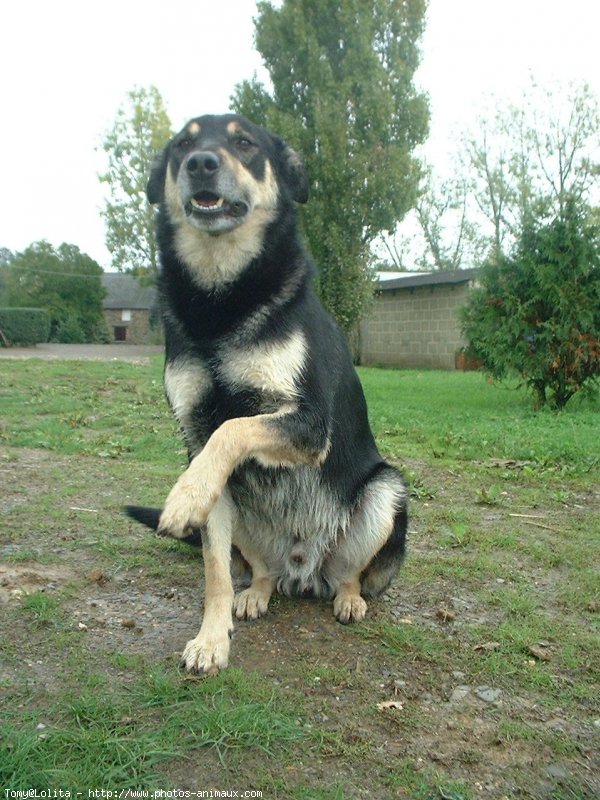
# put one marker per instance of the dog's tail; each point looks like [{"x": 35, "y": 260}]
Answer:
[{"x": 150, "y": 517}]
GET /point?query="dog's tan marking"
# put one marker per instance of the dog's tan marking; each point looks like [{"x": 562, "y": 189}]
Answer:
[
  {"x": 274, "y": 368},
  {"x": 235, "y": 129},
  {"x": 369, "y": 528},
  {"x": 254, "y": 601},
  {"x": 173, "y": 199},
  {"x": 263, "y": 193},
  {"x": 208, "y": 652},
  {"x": 193, "y": 129},
  {"x": 348, "y": 605},
  {"x": 198, "y": 489}
]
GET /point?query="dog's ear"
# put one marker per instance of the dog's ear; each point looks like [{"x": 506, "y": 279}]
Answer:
[
  {"x": 155, "y": 190},
  {"x": 293, "y": 171}
]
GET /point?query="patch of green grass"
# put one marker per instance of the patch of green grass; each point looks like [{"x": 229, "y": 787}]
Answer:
[
  {"x": 43, "y": 608},
  {"x": 418, "y": 784},
  {"x": 28, "y": 554},
  {"x": 82, "y": 748},
  {"x": 332, "y": 675},
  {"x": 89, "y": 737},
  {"x": 328, "y": 793},
  {"x": 110, "y": 411},
  {"x": 411, "y": 642},
  {"x": 460, "y": 417}
]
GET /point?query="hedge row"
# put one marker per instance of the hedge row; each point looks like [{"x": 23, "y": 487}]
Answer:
[{"x": 24, "y": 326}]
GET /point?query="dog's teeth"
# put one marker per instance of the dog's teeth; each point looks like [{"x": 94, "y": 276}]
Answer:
[{"x": 208, "y": 206}]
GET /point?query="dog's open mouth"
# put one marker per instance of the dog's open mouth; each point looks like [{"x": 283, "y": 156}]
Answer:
[{"x": 208, "y": 203}]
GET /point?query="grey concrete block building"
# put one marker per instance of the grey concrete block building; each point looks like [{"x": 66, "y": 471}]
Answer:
[{"x": 413, "y": 322}]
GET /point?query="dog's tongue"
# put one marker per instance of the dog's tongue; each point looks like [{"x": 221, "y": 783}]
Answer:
[{"x": 208, "y": 200}]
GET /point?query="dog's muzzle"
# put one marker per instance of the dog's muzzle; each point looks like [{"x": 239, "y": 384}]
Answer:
[{"x": 208, "y": 192}]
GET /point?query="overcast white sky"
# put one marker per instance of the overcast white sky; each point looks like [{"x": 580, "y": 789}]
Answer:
[{"x": 66, "y": 66}]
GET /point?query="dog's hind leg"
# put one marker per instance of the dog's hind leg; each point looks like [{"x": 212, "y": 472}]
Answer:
[
  {"x": 252, "y": 602},
  {"x": 209, "y": 651},
  {"x": 378, "y": 524},
  {"x": 383, "y": 568}
]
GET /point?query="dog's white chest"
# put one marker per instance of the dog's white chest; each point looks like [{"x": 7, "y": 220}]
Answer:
[{"x": 273, "y": 368}]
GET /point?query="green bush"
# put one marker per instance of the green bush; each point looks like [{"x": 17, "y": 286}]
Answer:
[
  {"x": 69, "y": 331},
  {"x": 24, "y": 326},
  {"x": 536, "y": 312}
]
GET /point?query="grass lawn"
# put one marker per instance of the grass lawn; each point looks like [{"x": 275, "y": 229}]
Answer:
[{"x": 476, "y": 676}]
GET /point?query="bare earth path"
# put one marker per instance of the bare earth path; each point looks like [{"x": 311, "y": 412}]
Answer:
[{"x": 138, "y": 353}]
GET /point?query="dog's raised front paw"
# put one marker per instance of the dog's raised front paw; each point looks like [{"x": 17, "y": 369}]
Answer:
[{"x": 187, "y": 507}]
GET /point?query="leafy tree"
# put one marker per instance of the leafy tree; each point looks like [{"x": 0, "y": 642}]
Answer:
[
  {"x": 6, "y": 256},
  {"x": 521, "y": 163},
  {"x": 343, "y": 95},
  {"x": 530, "y": 162},
  {"x": 438, "y": 233},
  {"x": 66, "y": 282},
  {"x": 536, "y": 311},
  {"x": 141, "y": 129}
]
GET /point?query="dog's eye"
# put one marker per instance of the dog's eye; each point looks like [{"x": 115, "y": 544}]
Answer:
[
  {"x": 184, "y": 144},
  {"x": 244, "y": 144}
]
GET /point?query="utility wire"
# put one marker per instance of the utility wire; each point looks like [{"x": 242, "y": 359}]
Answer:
[{"x": 62, "y": 274}]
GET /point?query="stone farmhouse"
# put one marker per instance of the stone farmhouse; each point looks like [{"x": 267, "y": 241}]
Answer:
[{"x": 128, "y": 309}]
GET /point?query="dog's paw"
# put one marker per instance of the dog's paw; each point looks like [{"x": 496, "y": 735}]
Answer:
[
  {"x": 349, "y": 608},
  {"x": 187, "y": 507},
  {"x": 252, "y": 603},
  {"x": 206, "y": 655}
]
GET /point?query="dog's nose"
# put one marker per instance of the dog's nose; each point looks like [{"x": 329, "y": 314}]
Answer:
[{"x": 204, "y": 162}]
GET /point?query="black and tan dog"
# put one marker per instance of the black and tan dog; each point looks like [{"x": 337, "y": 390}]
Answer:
[{"x": 283, "y": 466}]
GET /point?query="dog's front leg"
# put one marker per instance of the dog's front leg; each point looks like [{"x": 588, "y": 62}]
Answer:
[
  {"x": 190, "y": 501},
  {"x": 209, "y": 651},
  {"x": 194, "y": 495}
]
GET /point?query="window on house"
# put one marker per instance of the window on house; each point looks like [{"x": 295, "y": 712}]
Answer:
[{"x": 125, "y": 315}]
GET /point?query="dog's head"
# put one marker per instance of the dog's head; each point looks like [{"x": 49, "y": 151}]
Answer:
[{"x": 220, "y": 172}]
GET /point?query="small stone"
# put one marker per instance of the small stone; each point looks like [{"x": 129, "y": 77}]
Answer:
[
  {"x": 390, "y": 705},
  {"x": 540, "y": 651},
  {"x": 128, "y": 623},
  {"x": 556, "y": 771},
  {"x": 487, "y": 694},
  {"x": 459, "y": 694},
  {"x": 487, "y": 647}
]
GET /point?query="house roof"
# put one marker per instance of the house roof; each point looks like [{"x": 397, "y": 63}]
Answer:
[
  {"x": 410, "y": 280},
  {"x": 124, "y": 291}
]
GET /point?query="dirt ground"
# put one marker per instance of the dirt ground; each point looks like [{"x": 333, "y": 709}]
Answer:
[{"x": 433, "y": 715}]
